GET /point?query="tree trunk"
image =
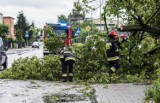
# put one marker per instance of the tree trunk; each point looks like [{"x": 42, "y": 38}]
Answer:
[{"x": 143, "y": 27}]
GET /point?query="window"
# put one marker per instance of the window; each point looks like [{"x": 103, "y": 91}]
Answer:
[{"x": 111, "y": 24}]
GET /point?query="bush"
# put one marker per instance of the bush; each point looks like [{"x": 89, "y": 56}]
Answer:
[
  {"x": 153, "y": 93},
  {"x": 33, "y": 68}
]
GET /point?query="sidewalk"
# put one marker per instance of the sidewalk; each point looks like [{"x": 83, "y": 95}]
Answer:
[{"x": 120, "y": 93}]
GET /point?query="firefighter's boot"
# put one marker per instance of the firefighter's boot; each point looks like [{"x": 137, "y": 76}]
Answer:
[
  {"x": 70, "y": 78},
  {"x": 64, "y": 79}
]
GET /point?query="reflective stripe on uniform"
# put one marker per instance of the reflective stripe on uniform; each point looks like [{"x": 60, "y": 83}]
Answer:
[
  {"x": 69, "y": 58},
  {"x": 113, "y": 69},
  {"x": 70, "y": 74},
  {"x": 61, "y": 56},
  {"x": 112, "y": 58},
  {"x": 67, "y": 52},
  {"x": 117, "y": 50},
  {"x": 108, "y": 45},
  {"x": 64, "y": 75}
]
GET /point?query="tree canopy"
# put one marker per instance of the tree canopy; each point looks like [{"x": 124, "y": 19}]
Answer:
[
  {"x": 22, "y": 23},
  {"x": 142, "y": 13},
  {"x": 3, "y": 30}
]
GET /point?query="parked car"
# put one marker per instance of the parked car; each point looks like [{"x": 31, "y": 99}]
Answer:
[
  {"x": 35, "y": 45},
  {"x": 3, "y": 56}
]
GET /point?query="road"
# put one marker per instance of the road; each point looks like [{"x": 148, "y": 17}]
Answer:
[{"x": 22, "y": 53}]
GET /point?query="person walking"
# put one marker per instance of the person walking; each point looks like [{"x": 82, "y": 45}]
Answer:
[
  {"x": 112, "y": 53},
  {"x": 67, "y": 60}
]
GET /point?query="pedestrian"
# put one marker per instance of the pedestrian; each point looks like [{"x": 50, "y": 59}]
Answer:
[
  {"x": 67, "y": 60},
  {"x": 112, "y": 53}
]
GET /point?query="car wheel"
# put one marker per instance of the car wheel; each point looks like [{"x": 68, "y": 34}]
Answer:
[{"x": 5, "y": 64}]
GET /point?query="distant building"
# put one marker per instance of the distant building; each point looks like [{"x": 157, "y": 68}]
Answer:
[
  {"x": 1, "y": 18},
  {"x": 9, "y": 21},
  {"x": 110, "y": 23}
]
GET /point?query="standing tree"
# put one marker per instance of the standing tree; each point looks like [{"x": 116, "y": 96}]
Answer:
[
  {"x": 81, "y": 8},
  {"x": 19, "y": 35},
  {"x": 3, "y": 30},
  {"x": 22, "y": 23},
  {"x": 63, "y": 18}
]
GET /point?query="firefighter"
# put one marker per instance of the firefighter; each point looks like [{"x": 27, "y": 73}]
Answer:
[
  {"x": 112, "y": 53},
  {"x": 67, "y": 59},
  {"x": 120, "y": 40},
  {"x": 117, "y": 40},
  {"x": 123, "y": 38}
]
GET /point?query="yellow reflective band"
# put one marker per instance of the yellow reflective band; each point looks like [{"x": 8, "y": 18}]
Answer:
[
  {"x": 70, "y": 58},
  {"x": 61, "y": 56},
  {"x": 117, "y": 50},
  {"x": 112, "y": 58},
  {"x": 113, "y": 69},
  {"x": 64, "y": 75},
  {"x": 108, "y": 45},
  {"x": 70, "y": 74},
  {"x": 67, "y": 52}
]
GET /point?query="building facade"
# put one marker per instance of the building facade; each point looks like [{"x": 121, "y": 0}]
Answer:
[
  {"x": 110, "y": 23},
  {"x": 9, "y": 21}
]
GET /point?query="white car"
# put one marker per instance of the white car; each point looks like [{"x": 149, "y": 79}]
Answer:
[{"x": 35, "y": 45}]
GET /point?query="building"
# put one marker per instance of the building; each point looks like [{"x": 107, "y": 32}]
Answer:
[
  {"x": 9, "y": 21},
  {"x": 1, "y": 18},
  {"x": 110, "y": 23}
]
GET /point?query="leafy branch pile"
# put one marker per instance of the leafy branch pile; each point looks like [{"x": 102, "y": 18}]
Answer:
[
  {"x": 34, "y": 68},
  {"x": 153, "y": 93},
  {"x": 90, "y": 66}
]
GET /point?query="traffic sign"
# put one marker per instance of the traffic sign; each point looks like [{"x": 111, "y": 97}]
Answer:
[
  {"x": 88, "y": 28},
  {"x": 27, "y": 34}
]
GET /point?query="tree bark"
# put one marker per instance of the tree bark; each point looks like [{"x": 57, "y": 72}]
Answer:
[{"x": 143, "y": 27}]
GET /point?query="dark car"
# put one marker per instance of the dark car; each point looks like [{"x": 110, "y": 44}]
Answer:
[{"x": 3, "y": 56}]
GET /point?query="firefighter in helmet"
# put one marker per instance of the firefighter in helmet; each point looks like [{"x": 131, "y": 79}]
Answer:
[
  {"x": 67, "y": 60},
  {"x": 123, "y": 38},
  {"x": 112, "y": 53}
]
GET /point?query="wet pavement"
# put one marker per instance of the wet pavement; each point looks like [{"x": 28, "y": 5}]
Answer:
[
  {"x": 33, "y": 91},
  {"x": 29, "y": 91}
]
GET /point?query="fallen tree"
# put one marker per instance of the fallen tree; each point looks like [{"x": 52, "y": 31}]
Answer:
[{"x": 143, "y": 27}]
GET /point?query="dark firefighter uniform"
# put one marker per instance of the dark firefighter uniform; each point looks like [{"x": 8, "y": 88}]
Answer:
[
  {"x": 112, "y": 55},
  {"x": 67, "y": 59}
]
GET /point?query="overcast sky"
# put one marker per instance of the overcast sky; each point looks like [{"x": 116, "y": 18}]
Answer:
[{"x": 38, "y": 11}]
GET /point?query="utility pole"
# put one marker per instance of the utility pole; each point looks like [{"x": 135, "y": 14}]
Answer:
[{"x": 100, "y": 14}]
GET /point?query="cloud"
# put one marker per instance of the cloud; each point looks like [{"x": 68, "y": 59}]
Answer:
[
  {"x": 38, "y": 11},
  {"x": 37, "y": 3}
]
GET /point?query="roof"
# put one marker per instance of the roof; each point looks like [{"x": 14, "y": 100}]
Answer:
[{"x": 8, "y": 17}]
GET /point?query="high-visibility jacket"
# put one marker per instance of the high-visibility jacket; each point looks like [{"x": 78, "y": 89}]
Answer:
[
  {"x": 111, "y": 50},
  {"x": 66, "y": 55}
]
